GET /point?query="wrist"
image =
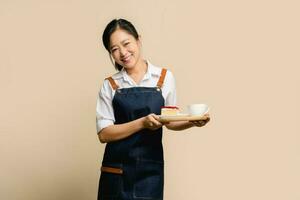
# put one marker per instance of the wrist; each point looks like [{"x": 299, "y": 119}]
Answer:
[{"x": 141, "y": 123}]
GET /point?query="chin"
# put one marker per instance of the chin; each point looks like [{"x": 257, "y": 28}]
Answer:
[{"x": 129, "y": 65}]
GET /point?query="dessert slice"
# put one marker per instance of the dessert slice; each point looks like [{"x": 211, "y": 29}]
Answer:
[{"x": 169, "y": 110}]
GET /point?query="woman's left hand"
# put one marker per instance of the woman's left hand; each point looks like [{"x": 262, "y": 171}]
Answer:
[{"x": 202, "y": 122}]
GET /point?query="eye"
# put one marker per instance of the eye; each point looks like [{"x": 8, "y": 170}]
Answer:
[
  {"x": 113, "y": 50},
  {"x": 127, "y": 43}
]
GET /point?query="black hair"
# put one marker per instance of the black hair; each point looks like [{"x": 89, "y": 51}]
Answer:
[{"x": 111, "y": 27}]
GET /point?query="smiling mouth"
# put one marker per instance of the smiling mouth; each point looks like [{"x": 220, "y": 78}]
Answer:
[{"x": 126, "y": 59}]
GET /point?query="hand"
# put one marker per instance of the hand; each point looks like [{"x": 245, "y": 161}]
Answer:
[
  {"x": 151, "y": 122},
  {"x": 202, "y": 122}
]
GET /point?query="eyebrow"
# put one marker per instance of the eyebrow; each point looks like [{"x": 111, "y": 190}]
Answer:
[{"x": 121, "y": 42}]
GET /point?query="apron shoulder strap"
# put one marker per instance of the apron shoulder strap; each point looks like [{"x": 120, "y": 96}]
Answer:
[
  {"x": 161, "y": 78},
  {"x": 112, "y": 83}
]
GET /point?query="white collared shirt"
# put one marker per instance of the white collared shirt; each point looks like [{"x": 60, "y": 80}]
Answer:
[{"x": 104, "y": 109}]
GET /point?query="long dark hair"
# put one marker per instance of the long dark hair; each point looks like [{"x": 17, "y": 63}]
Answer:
[{"x": 111, "y": 27}]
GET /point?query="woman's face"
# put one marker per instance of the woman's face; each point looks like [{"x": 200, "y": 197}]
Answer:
[{"x": 124, "y": 48}]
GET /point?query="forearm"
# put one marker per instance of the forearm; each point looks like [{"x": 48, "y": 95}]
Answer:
[
  {"x": 120, "y": 131},
  {"x": 178, "y": 126}
]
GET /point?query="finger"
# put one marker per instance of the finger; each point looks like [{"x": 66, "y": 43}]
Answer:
[
  {"x": 199, "y": 123},
  {"x": 195, "y": 122},
  {"x": 155, "y": 116},
  {"x": 155, "y": 120},
  {"x": 206, "y": 116},
  {"x": 156, "y": 123},
  {"x": 152, "y": 117},
  {"x": 203, "y": 123}
]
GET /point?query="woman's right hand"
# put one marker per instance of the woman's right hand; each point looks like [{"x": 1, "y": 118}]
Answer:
[
  {"x": 151, "y": 122},
  {"x": 117, "y": 132}
]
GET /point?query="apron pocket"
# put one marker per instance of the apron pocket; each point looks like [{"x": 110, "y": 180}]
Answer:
[
  {"x": 149, "y": 180},
  {"x": 110, "y": 184}
]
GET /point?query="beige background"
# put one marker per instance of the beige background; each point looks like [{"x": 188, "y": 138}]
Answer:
[{"x": 240, "y": 57}]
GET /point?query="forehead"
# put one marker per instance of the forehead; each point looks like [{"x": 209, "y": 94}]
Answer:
[{"x": 119, "y": 36}]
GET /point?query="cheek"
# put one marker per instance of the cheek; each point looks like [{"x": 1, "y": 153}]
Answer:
[
  {"x": 115, "y": 55},
  {"x": 134, "y": 48}
]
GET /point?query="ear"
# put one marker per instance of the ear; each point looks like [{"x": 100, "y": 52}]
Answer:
[{"x": 140, "y": 40}]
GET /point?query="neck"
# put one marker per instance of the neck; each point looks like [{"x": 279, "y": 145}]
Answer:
[{"x": 140, "y": 67}]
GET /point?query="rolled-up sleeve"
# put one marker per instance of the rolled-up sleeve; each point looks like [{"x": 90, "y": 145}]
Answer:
[
  {"x": 170, "y": 89},
  {"x": 104, "y": 109}
]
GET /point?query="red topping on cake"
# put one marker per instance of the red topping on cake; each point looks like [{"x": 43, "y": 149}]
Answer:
[{"x": 174, "y": 107}]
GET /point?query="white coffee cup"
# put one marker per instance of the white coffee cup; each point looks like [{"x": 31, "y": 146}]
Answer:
[{"x": 198, "y": 109}]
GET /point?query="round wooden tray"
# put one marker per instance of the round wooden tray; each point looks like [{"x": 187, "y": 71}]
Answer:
[{"x": 181, "y": 117}]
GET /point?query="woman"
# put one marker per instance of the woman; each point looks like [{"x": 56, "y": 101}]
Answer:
[{"x": 128, "y": 106}]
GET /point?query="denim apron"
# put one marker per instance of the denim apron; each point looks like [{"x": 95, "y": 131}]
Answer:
[{"x": 133, "y": 168}]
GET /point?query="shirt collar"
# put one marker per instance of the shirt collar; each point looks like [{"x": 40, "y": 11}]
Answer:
[{"x": 151, "y": 70}]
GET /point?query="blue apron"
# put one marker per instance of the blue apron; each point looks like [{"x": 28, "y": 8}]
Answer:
[{"x": 133, "y": 168}]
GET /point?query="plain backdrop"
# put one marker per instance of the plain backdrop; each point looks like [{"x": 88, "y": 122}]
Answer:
[{"x": 239, "y": 57}]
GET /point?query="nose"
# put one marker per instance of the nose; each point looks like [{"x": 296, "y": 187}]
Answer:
[{"x": 122, "y": 51}]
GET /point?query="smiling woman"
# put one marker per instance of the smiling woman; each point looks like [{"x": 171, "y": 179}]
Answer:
[
  {"x": 125, "y": 50},
  {"x": 122, "y": 41},
  {"x": 128, "y": 106}
]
